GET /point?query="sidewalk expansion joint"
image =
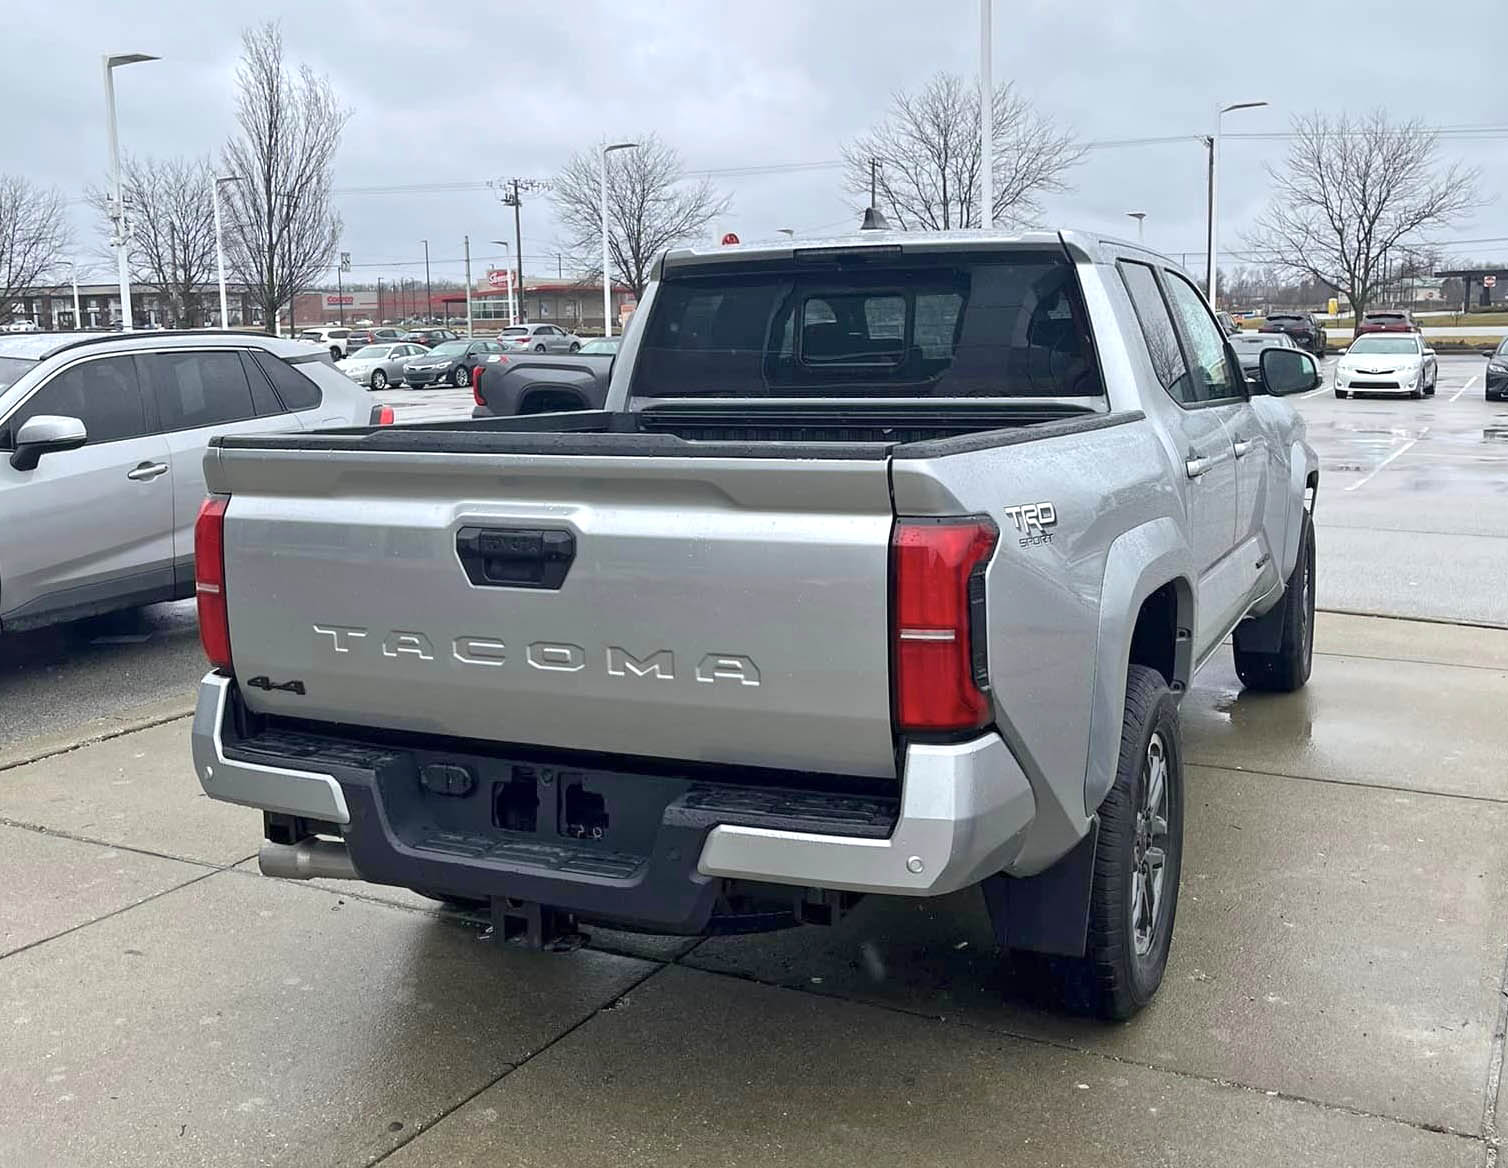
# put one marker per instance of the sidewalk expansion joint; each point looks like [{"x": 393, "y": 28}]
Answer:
[{"x": 1396, "y": 787}]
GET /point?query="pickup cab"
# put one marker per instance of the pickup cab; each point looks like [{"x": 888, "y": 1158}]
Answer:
[{"x": 881, "y": 573}]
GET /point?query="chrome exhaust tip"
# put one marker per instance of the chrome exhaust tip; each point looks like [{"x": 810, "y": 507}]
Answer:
[{"x": 309, "y": 859}]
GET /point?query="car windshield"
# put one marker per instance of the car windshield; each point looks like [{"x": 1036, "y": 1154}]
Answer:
[
  {"x": 514, "y": 332},
  {"x": 12, "y": 368},
  {"x": 1261, "y": 341},
  {"x": 600, "y": 345},
  {"x": 449, "y": 349},
  {"x": 927, "y": 325},
  {"x": 1384, "y": 345},
  {"x": 372, "y": 352}
]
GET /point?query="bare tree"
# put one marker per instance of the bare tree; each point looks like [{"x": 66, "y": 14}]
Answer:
[
  {"x": 1353, "y": 197},
  {"x": 925, "y": 160},
  {"x": 172, "y": 230},
  {"x": 651, "y": 206},
  {"x": 33, "y": 237},
  {"x": 282, "y": 226}
]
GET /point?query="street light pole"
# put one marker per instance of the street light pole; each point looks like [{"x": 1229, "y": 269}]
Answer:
[
  {"x": 1214, "y": 192},
  {"x": 118, "y": 210},
  {"x": 607, "y": 271},
  {"x": 78, "y": 322},
  {"x": 1141, "y": 222},
  {"x": 214, "y": 191},
  {"x": 429, "y": 295},
  {"x": 986, "y": 119},
  {"x": 466, "y": 240},
  {"x": 508, "y": 271}
]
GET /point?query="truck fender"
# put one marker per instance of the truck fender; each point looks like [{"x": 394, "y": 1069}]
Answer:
[
  {"x": 1140, "y": 561},
  {"x": 1303, "y": 464}
]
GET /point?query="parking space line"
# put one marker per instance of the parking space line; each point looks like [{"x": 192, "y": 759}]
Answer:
[
  {"x": 1470, "y": 382},
  {"x": 1378, "y": 469}
]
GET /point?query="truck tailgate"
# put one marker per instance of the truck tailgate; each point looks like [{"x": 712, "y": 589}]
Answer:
[{"x": 729, "y": 610}]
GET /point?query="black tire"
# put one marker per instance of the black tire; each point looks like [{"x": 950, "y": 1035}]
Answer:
[
  {"x": 1287, "y": 668},
  {"x": 335, "y": 353},
  {"x": 539, "y": 348},
  {"x": 1128, "y": 944},
  {"x": 461, "y": 377},
  {"x": 379, "y": 379},
  {"x": 575, "y": 348},
  {"x": 1340, "y": 393}
]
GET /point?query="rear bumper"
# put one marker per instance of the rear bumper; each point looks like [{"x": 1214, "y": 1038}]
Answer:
[{"x": 963, "y": 812}]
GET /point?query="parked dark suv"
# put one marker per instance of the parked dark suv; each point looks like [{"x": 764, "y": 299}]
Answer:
[
  {"x": 430, "y": 337},
  {"x": 1301, "y": 326},
  {"x": 1387, "y": 320}
]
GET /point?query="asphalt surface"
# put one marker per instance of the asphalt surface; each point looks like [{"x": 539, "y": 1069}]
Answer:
[{"x": 1336, "y": 993}]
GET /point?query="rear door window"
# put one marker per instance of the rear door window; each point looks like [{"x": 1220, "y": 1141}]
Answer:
[
  {"x": 935, "y": 325},
  {"x": 195, "y": 390}
]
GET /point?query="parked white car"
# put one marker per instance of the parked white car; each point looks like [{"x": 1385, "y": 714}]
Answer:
[
  {"x": 539, "y": 338},
  {"x": 21, "y": 326},
  {"x": 334, "y": 339},
  {"x": 1390, "y": 363}
]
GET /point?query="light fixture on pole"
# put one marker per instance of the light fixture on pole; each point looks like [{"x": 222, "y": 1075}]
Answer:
[
  {"x": 986, "y": 119},
  {"x": 214, "y": 192},
  {"x": 787, "y": 231},
  {"x": 507, "y": 263},
  {"x": 1140, "y": 217},
  {"x": 607, "y": 274},
  {"x": 118, "y": 206},
  {"x": 1214, "y": 191}
]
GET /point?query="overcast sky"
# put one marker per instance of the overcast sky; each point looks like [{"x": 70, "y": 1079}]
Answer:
[{"x": 480, "y": 91}]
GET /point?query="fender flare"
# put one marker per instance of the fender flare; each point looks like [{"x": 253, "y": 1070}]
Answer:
[
  {"x": 1302, "y": 463},
  {"x": 1139, "y": 562}
]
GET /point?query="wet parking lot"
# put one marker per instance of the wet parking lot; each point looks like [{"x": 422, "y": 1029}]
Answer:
[{"x": 1335, "y": 994}]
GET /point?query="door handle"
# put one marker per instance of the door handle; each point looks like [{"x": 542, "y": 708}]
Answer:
[
  {"x": 1242, "y": 447},
  {"x": 1197, "y": 466},
  {"x": 147, "y": 471}
]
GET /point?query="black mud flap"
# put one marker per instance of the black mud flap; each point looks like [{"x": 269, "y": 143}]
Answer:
[{"x": 1048, "y": 912}]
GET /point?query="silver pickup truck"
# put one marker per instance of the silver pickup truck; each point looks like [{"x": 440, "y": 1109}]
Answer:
[{"x": 883, "y": 571}]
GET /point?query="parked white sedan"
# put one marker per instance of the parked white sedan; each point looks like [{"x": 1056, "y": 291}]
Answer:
[
  {"x": 379, "y": 366},
  {"x": 1391, "y": 363},
  {"x": 539, "y": 338}
]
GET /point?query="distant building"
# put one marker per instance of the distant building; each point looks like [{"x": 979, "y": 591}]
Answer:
[{"x": 51, "y": 308}]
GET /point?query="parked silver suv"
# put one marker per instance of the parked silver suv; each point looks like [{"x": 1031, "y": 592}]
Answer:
[{"x": 102, "y": 443}]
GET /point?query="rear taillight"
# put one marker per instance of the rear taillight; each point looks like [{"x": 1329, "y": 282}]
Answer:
[
  {"x": 941, "y": 670},
  {"x": 381, "y": 416},
  {"x": 476, "y": 386},
  {"x": 209, "y": 580}
]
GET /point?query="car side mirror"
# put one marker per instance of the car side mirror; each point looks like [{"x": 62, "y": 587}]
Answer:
[
  {"x": 1286, "y": 371},
  {"x": 1490, "y": 352},
  {"x": 46, "y": 434},
  {"x": 1429, "y": 352}
]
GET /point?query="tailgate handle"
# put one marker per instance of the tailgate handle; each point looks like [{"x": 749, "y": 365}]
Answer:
[{"x": 516, "y": 557}]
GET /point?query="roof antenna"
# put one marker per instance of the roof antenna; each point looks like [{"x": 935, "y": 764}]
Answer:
[{"x": 874, "y": 221}]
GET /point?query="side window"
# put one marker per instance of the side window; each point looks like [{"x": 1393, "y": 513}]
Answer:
[
  {"x": 262, "y": 397},
  {"x": 103, "y": 394},
  {"x": 297, "y": 391},
  {"x": 1157, "y": 330},
  {"x": 1214, "y": 380},
  {"x": 200, "y": 389}
]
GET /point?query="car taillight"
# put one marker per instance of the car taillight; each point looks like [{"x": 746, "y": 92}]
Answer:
[
  {"x": 941, "y": 671},
  {"x": 476, "y": 386},
  {"x": 209, "y": 580},
  {"x": 381, "y": 416}
]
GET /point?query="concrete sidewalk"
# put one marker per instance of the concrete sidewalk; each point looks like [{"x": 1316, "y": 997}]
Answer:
[{"x": 1335, "y": 995}]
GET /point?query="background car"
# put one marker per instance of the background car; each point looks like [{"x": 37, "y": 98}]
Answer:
[
  {"x": 110, "y": 430},
  {"x": 1249, "y": 347},
  {"x": 430, "y": 337},
  {"x": 372, "y": 336},
  {"x": 1387, "y": 320},
  {"x": 22, "y": 325},
  {"x": 379, "y": 366},
  {"x": 1227, "y": 323},
  {"x": 333, "y": 339},
  {"x": 600, "y": 346},
  {"x": 1389, "y": 363},
  {"x": 450, "y": 363},
  {"x": 539, "y": 338},
  {"x": 1497, "y": 372},
  {"x": 1301, "y": 326}
]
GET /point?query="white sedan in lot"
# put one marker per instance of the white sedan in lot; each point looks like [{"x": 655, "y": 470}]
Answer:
[
  {"x": 1391, "y": 363},
  {"x": 379, "y": 366}
]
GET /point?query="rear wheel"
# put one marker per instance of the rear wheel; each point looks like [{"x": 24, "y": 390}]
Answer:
[
  {"x": 1137, "y": 860},
  {"x": 335, "y": 353},
  {"x": 1286, "y": 656},
  {"x": 575, "y": 347},
  {"x": 539, "y": 348},
  {"x": 379, "y": 379}
]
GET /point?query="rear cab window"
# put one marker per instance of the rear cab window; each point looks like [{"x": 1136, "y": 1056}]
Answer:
[
  {"x": 297, "y": 391},
  {"x": 991, "y": 324}
]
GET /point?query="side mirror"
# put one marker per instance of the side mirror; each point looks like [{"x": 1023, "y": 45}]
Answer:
[
  {"x": 1429, "y": 352},
  {"x": 1490, "y": 352},
  {"x": 46, "y": 434},
  {"x": 1286, "y": 371}
]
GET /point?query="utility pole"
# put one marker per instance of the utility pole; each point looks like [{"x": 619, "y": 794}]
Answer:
[
  {"x": 986, "y": 120},
  {"x": 518, "y": 247},
  {"x": 466, "y": 239},
  {"x": 874, "y": 168},
  {"x": 429, "y": 295},
  {"x": 379, "y": 300}
]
